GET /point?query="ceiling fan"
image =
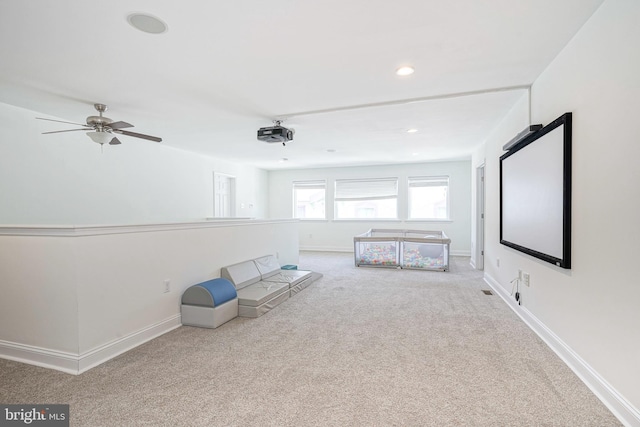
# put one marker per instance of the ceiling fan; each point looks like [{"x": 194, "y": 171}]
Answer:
[{"x": 102, "y": 129}]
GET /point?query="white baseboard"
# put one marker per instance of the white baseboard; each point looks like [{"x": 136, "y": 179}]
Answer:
[
  {"x": 618, "y": 405},
  {"x": 99, "y": 355},
  {"x": 472, "y": 263},
  {"x": 78, "y": 363},
  {"x": 460, "y": 253},
  {"x": 325, "y": 249},
  {"x": 38, "y": 356}
]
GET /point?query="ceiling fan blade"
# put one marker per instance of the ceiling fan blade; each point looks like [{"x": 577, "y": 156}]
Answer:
[
  {"x": 138, "y": 135},
  {"x": 115, "y": 141},
  {"x": 120, "y": 125},
  {"x": 68, "y": 130},
  {"x": 60, "y": 121}
]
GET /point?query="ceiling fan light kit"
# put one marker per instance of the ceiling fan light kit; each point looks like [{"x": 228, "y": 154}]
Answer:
[
  {"x": 102, "y": 129},
  {"x": 100, "y": 137}
]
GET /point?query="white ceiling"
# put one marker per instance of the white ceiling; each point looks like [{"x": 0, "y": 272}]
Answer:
[{"x": 225, "y": 69}]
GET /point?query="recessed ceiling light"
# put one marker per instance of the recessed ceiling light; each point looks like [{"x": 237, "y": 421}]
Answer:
[
  {"x": 147, "y": 23},
  {"x": 331, "y": 150},
  {"x": 414, "y": 154},
  {"x": 405, "y": 71},
  {"x": 284, "y": 159},
  {"x": 412, "y": 130}
]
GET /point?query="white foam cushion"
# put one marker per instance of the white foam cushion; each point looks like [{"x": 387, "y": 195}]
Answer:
[
  {"x": 267, "y": 266},
  {"x": 242, "y": 274},
  {"x": 261, "y": 292},
  {"x": 209, "y": 317},
  {"x": 248, "y": 311},
  {"x": 293, "y": 277}
]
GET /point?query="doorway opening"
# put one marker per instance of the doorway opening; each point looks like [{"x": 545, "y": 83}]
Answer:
[
  {"x": 224, "y": 194},
  {"x": 480, "y": 217}
]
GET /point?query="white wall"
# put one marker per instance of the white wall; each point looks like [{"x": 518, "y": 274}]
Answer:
[
  {"x": 592, "y": 308},
  {"x": 32, "y": 313},
  {"x": 75, "y": 297},
  {"x": 66, "y": 179},
  {"x": 72, "y": 303},
  {"x": 338, "y": 235}
]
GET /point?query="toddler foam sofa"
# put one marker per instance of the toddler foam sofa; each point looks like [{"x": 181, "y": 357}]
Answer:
[{"x": 261, "y": 284}]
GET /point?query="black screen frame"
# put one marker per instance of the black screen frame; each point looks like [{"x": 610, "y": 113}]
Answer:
[{"x": 565, "y": 261}]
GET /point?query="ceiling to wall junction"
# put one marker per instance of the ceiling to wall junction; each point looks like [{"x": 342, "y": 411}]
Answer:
[{"x": 224, "y": 69}]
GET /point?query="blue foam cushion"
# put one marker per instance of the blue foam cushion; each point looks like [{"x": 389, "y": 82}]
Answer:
[{"x": 221, "y": 290}]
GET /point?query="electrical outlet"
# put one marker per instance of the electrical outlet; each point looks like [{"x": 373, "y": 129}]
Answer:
[
  {"x": 526, "y": 278},
  {"x": 277, "y": 255},
  {"x": 167, "y": 286},
  {"x": 497, "y": 262},
  {"x": 519, "y": 274}
]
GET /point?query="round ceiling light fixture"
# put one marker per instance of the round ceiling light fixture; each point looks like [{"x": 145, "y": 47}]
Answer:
[
  {"x": 412, "y": 130},
  {"x": 405, "y": 71},
  {"x": 147, "y": 23}
]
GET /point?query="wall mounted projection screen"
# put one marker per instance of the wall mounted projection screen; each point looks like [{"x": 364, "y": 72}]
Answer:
[{"x": 535, "y": 194}]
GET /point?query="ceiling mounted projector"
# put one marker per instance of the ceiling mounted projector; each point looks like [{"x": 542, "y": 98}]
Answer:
[{"x": 275, "y": 133}]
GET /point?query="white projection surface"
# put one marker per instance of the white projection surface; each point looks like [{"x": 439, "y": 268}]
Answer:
[{"x": 532, "y": 195}]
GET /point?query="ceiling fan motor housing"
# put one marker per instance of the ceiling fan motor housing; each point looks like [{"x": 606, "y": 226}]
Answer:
[{"x": 98, "y": 121}]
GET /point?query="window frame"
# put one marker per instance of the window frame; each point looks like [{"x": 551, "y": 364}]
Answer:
[
  {"x": 308, "y": 184},
  {"x": 434, "y": 178}
]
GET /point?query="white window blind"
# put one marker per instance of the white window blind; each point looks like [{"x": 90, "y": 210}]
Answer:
[
  {"x": 437, "y": 181},
  {"x": 309, "y": 185},
  {"x": 375, "y": 198},
  {"x": 366, "y": 189}
]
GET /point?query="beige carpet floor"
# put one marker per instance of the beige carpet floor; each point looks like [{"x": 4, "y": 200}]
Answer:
[{"x": 359, "y": 347}]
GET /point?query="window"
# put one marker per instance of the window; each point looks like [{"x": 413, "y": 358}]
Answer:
[
  {"x": 429, "y": 197},
  {"x": 308, "y": 199},
  {"x": 366, "y": 198}
]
